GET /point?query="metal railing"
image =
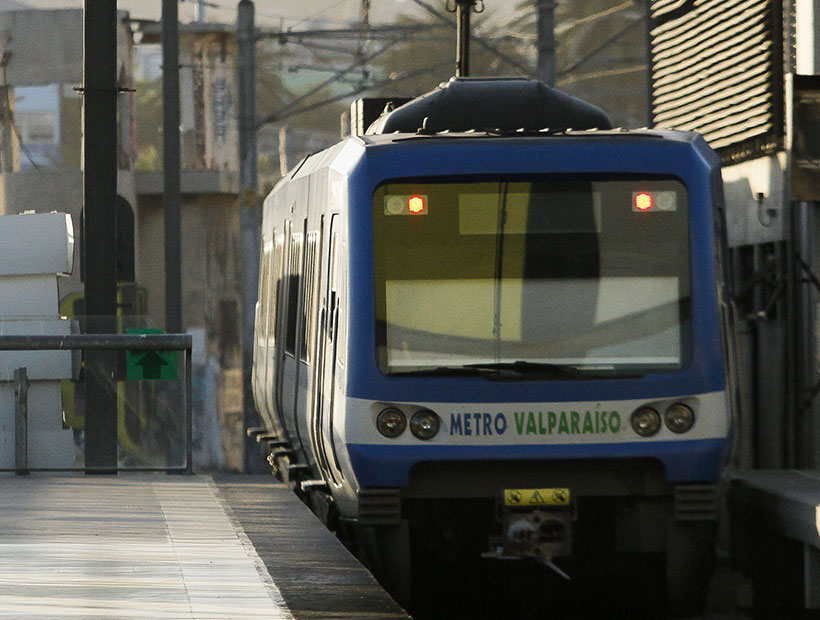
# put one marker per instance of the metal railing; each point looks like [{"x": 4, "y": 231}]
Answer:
[{"x": 95, "y": 342}]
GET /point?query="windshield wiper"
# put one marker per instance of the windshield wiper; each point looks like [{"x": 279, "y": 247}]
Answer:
[
  {"x": 522, "y": 368},
  {"x": 519, "y": 371},
  {"x": 443, "y": 371},
  {"x": 526, "y": 370},
  {"x": 499, "y": 371}
]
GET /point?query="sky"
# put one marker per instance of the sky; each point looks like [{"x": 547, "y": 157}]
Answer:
[{"x": 271, "y": 14}]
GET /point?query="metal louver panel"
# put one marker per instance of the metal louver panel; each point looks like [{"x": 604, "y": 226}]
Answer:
[{"x": 717, "y": 69}]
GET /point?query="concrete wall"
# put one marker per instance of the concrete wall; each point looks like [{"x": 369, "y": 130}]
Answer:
[
  {"x": 211, "y": 303},
  {"x": 46, "y": 46},
  {"x": 210, "y": 311},
  {"x": 208, "y": 101}
]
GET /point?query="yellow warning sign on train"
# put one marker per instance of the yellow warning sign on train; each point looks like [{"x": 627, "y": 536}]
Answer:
[{"x": 525, "y": 498}]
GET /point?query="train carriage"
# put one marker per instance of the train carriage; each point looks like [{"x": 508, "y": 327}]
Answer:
[{"x": 524, "y": 330}]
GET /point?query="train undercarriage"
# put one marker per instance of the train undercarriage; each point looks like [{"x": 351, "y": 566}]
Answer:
[{"x": 646, "y": 551}]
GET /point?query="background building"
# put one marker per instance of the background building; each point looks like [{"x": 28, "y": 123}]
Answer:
[{"x": 40, "y": 127}]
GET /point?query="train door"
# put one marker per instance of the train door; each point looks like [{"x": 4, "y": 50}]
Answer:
[
  {"x": 261, "y": 320},
  {"x": 288, "y": 365},
  {"x": 326, "y": 355},
  {"x": 281, "y": 308},
  {"x": 298, "y": 317}
]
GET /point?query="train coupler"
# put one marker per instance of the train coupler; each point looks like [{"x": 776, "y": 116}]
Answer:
[{"x": 536, "y": 524}]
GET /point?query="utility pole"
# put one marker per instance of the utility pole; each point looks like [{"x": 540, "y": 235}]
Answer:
[
  {"x": 248, "y": 212},
  {"x": 283, "y": 150},
  {"x": 546, "y": 41},
  {"x": 99, "y": 257},
  {"x": 364, "y": 26},
  {"x": 171, "y": 166}
]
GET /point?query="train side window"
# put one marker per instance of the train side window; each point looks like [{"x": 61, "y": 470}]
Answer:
[
  {"x": 275, "y": 275},
  {"x": 309, "y": 300},
  {"x": 261, "y": 330},
  {"x": 333, "y": 301},
  {"x": 294, "y": 281}
]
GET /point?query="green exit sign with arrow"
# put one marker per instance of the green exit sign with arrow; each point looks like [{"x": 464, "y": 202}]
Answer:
[{"x": 150, "y": 365}]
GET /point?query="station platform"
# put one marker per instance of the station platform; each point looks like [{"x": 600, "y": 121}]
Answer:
[
  {"x": 174, "y": 547},
  {"x": 775, "y": 526}
]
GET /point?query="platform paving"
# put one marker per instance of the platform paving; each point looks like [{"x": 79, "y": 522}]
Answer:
[{"x": 173, "y": 547}]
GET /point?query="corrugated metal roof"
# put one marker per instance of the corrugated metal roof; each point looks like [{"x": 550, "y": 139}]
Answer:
[{"x": 717, "y": 69}]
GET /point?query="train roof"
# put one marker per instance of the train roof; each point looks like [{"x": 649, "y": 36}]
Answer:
[
  {"x": 461, "y": 104},
  {"x": 483, "y": 111},
  {"x": 383, "y": 139},
  {"x": 341, "y": 155}
]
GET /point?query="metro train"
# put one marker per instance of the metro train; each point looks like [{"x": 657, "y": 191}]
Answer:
[{"x": 495, "y": 327}]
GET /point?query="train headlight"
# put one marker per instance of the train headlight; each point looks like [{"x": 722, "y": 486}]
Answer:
[
  {"x": 679, "y": 418},
  {"x": 646, "y": 421},
  {"x": 391, "y": 422},
  {"x": 424, "y": 424}
]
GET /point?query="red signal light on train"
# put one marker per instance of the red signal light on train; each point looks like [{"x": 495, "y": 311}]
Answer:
[
  {"x": 415, "y": 204},
  {"x": 643, "y": 201}
]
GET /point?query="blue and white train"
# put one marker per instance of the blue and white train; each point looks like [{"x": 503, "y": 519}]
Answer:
[{"x": 469, "y": 323}]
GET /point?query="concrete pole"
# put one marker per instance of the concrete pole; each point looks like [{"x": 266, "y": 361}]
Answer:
[
  {"x": 248, "y": 214},
  {"x": 171, "y": 166},
  {"x": 546, "y": 41}
]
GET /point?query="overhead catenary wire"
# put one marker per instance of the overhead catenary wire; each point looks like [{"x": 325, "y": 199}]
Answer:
[
  {"x": 280, "y": 116},
  {"x": 566, "y": 26},
  {"x": 601, "y": 74},
  {"x": 230, "y": 7},
  {"x": 293, "y": 108},
  {"x": 275, "y": 116},
  {"x": 599, "y": 15},
  {"x": 372, "y": 33},
  {"x": 479, "y": 40},
  {"x": 597, "y": 50}
]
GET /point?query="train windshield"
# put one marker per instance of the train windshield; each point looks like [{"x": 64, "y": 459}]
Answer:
[{"x": 583, "y": 275}]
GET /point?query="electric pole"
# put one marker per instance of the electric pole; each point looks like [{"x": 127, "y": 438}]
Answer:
[
  {"x": 364, "y": 26},
  {"x": 248, "y": 213},
  {"x": 99, "y": 255},
  {"x": 172, "y": 194}
]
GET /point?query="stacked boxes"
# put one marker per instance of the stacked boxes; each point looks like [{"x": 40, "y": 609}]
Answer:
[{"x": 35, "y": 249}]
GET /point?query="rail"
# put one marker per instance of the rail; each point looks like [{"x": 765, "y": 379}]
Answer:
[{"x": 99, "y": 342}]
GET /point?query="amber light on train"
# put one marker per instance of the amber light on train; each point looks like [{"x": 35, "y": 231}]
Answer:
[
  {"x": 643, "y": 201},
  {"x": 415, "y": 204}
]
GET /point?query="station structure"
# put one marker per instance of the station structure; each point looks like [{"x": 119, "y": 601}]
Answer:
[{"x": 745, "y": 75}]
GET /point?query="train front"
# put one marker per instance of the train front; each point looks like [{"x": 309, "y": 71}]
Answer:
[{"x": 536, "y": 339}]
